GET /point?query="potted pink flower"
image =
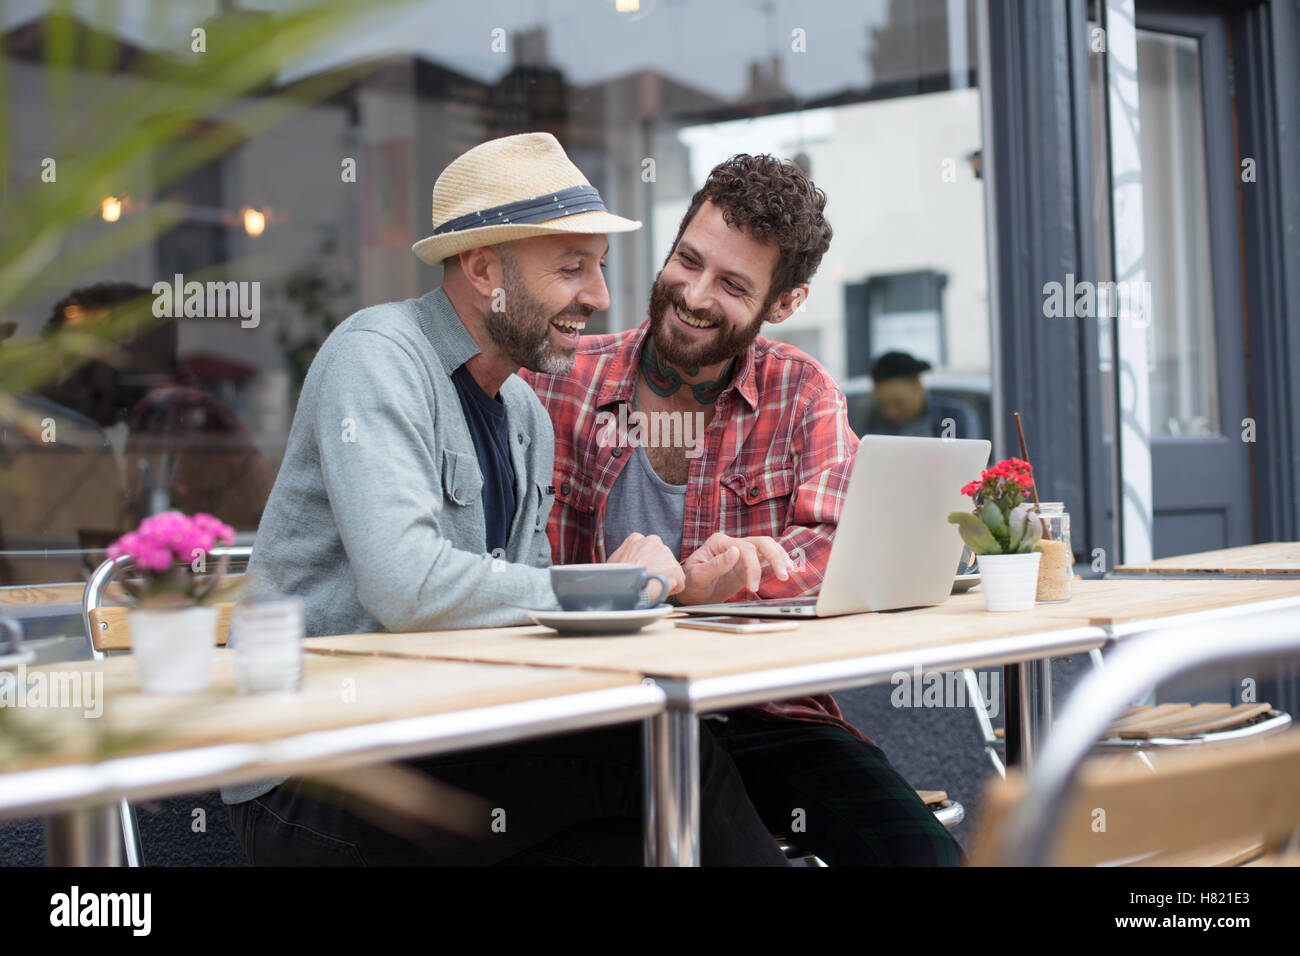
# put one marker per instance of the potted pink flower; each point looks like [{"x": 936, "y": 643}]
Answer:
[
  {"x": 174, "y": 622},
  {"x": 1004, "y": 532}
]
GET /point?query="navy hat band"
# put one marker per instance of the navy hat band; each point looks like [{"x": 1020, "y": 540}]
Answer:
[{"x": 556, "y": 205}]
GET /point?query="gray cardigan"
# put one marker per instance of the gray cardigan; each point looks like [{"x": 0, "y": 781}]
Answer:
[{"x": 376, "y": 518}]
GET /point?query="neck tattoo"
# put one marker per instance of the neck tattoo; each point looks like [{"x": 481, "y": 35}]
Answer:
[{"x": 665, "y": 381}]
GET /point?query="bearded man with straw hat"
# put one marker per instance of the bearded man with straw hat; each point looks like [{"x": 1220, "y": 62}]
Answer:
[{"x": 414, "y": 496}]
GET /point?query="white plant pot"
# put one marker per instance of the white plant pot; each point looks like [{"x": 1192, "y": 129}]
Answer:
[
  {"x": 173, "y": 649},
  {"x": 1010, "y": 580}
]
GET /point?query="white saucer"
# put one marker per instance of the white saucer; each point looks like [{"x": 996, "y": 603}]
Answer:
[
  {"x": 601, "y": 622},
  {"x": 964, "y": 582}
]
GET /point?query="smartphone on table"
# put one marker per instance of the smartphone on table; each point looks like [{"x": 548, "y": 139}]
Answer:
[{"x": 736, "y": 625}]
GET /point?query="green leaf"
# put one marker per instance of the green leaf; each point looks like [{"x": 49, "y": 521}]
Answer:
[
  {"x": 975, "y": 533},
  {"x": 1033, "y": 533},
  {"x": 1016, "y": 529},
  {"x": 991, "y": 515}
]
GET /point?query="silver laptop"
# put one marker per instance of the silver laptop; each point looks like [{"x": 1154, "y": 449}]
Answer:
[{"x": 894, "y": 547}]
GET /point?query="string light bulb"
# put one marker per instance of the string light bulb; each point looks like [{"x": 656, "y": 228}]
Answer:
[{"x": 254, "y": 221}]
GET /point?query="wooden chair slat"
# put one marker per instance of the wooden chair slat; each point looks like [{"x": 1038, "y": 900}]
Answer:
[
  {"x": 44, "y": 594},
  {"x": 1143, "y": 715},
  {"x": 1225, "y": 853},
  {"x": 1189, "y": 712},
  {"x": 111, "y": 632},
  {"x": 1209, "y": 722}
]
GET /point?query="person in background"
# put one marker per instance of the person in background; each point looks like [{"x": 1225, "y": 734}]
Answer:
[
  {"x": 901, "y": 404},
  {"x": 106, "y": 391},
  {"x": 178, "y": 445}
]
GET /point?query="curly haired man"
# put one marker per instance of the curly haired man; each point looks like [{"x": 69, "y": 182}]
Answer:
[{"x": 748, "y": 500}]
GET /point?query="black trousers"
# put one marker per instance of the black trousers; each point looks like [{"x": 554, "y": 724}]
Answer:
[
  {"x": 573, "y": 800},
  {"x": 834, "y": 794}
]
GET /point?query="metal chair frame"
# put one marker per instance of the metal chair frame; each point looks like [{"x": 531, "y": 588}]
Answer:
[
  {"x": 92, "y": 599},
  {"x": 1272, "y": 722},
  {"x": 1144, "y": 660}
]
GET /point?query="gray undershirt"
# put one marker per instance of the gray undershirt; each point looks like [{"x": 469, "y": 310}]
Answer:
[{"x": 642, "y": 501}]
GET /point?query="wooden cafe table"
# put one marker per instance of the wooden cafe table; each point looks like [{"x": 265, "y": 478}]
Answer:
[
  {"x": 350, "y": 712},
  {"x": 703, "y": 671},
  {"x": 1278, "y": 559}
]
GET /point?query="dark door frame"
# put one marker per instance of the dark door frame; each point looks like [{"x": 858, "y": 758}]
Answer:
[
  {"x": 1265, "y": 46},
  {"x": 1042, "y": 231}
]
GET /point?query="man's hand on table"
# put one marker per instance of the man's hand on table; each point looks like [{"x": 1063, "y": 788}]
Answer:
[
  {"x": 724, "y": 565},
  {"x": 654, "y": 556}
]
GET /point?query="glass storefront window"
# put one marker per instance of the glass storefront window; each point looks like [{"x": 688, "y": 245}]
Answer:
[{"x": 317, "y": 210}]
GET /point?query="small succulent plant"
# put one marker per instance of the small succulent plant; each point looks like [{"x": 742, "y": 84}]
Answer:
[{"x": 1000, "y": 522}]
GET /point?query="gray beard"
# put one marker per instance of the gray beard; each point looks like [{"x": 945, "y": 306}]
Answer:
[{"x": 523, "y": 331}]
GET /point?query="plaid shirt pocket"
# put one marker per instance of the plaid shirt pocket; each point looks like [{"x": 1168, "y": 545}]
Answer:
[{"x": 757, "y": 502}]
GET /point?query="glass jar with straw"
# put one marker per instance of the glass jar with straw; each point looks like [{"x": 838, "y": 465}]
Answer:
[{"x": 1056, "y": 568}]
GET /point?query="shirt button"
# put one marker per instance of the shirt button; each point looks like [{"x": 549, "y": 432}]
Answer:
[
  {"x": 521, "y": 438},
  {"x": 617, "y": 453},
  {"x": 753, "y": 492},
  {"x": 564, "y": 488},
  {"x": 457, "y": 495},
  {"x": 591, "y": 510}
]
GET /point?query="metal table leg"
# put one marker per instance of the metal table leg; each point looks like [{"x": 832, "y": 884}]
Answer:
[
  {"x": 672, "y": 789},
  {"x": 649, "y": 791},
  {"x": 1028, "y": 709},
  {"x": 88, "y": 837},
  {"x": 1041, "y": 699},
  {"x": 1015, "y": 709}
]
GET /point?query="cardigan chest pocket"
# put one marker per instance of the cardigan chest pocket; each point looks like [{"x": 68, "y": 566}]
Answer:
[{"x": 462, "y": 481}]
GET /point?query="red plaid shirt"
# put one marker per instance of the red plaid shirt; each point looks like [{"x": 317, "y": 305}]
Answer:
[{"x": 776, "y": 462}]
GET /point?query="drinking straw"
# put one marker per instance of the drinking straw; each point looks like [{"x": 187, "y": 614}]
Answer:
[{"x": 1024, "y": 453}]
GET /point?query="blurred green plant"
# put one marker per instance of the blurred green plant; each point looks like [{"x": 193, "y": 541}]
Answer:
[{"x": 165, "y": 123}]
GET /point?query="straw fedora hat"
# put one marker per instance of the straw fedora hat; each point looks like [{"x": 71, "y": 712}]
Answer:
[{"x": 515, "y": 187}]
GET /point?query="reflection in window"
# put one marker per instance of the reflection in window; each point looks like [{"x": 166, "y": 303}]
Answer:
[
  {"x": 876, "y": 99},
  {"x": 1184, "y": 376}
]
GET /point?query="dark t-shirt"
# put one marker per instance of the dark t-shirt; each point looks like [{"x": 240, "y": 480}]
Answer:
[{"x": 490, "y": 431}]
